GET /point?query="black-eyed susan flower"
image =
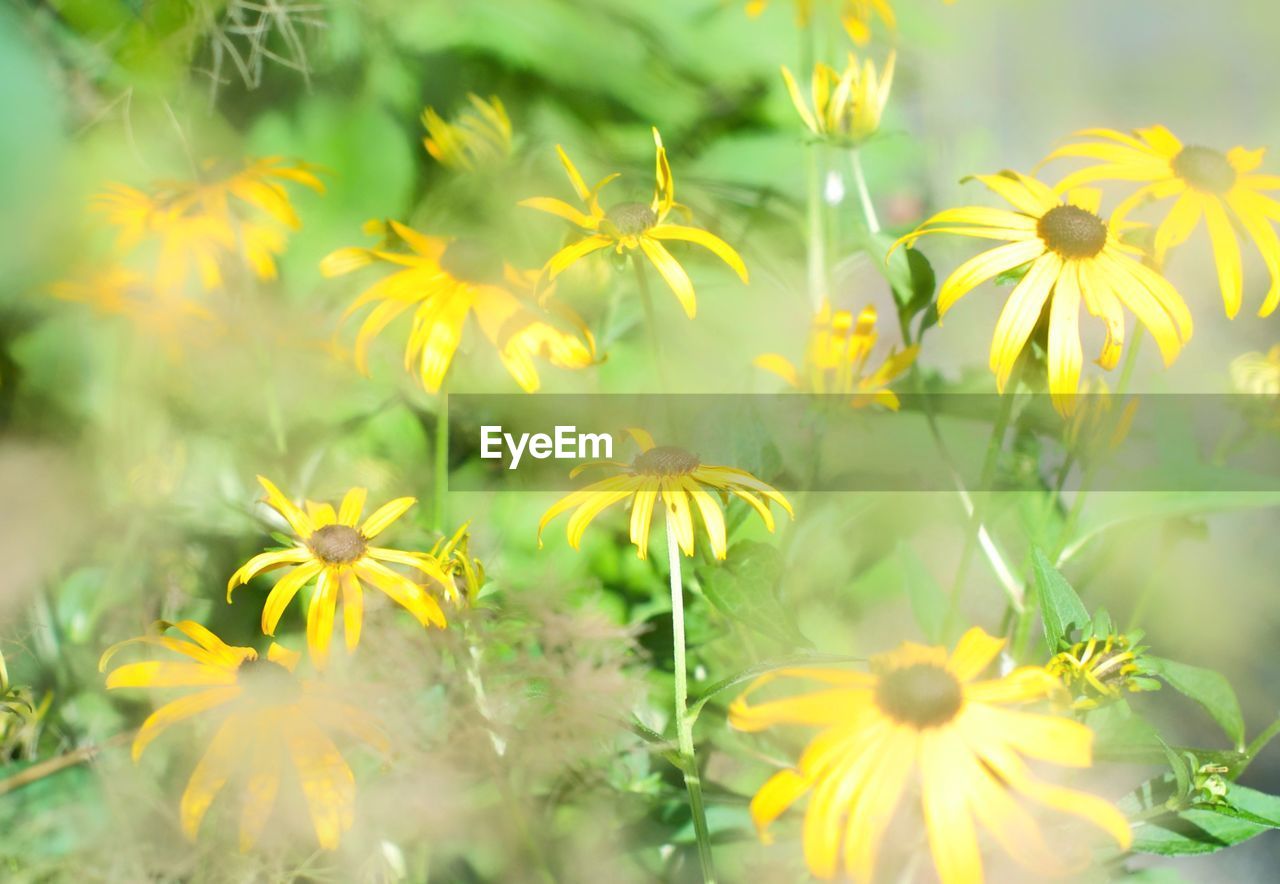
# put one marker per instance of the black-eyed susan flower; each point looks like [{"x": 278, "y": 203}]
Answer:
[
  {"x": 835, "y": 362},
  {"x": 197, "y": 224},
  {"x": 1096, "y": 670},
  {"x": 683, "y": 482},
  {"x": 1224, "y": 189},
  {"x": 1257, "y": 374},
  {"x": 1072, "y": 257},
  {"x": 628, "y": 227},
  {"x": 447, "y": 280},
  {"x": 844, "y": 107},
  {"x": 923, "y": 715},
  {"x": 272, "y": 727},
  {"x": 334, "y": 549},
  {"x": 477, "y": 136}
]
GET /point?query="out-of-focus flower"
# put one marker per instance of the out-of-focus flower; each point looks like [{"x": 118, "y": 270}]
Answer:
[
  {"x": 1220, "y": 188},
  {"x": 333, "y": 548},
  {"x": 477, "y": 136},
  {"x": 446, "y": 280},
  {"x": 197, "y": 224},
  {"x": 920, "y": 711},
  {"x": 1257, "y": 374},
  {"x": 170, "y": 320},
  {"x": 1093, "y": 427},
  {"x": 1099, "y": 669},
  {"x": 683, "y": 482},
  {"x": 630, "y": 226},
  {"x": 454, "y": 559},
  {"x": 1073, "y": 256},
  {"x": 835, "y": 362},
  {"x": 272, "y": 726},
  {"x": 857, "y": 16},
  {"x": 846, "y": 107}
]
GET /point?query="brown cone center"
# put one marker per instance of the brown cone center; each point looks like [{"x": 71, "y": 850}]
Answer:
[
  {"x": 1205, "y": 169},
  {"x": 267, "y": 682},
  {"x": 665, "y": 460},
  {"x": 1072, "y": 232},
  {"x": 337, "y": 544},
  {"x": 632, "y": 219},
  {"x": 922, "y": 695},
  {"x": 470, "y": 260}
]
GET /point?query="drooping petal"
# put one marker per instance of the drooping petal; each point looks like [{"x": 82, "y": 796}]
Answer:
[
  {"x": 179, "y": 710},
  {"x": 283, "y": 592},
  {"x": 402, "y": 591},
  {"x": 1066, "y": 357},
  {"x": 672, "y": 273},
  {"x": 212, "y": 772},
  {"x": 320, "y": 614},
  {"x": 1226, "y": 255},
  {"x": 985, "y": 266},
  {"x": 712, "y": 243},
  {"x": 265, "y": 562},
  {"x": 1020, "y": 314},
  {"x": 327, "y": 782},
  {"x": 945, "y": 788}
]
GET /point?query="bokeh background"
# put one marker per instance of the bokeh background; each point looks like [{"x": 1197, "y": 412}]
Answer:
[{"x": 128, "y": 455}]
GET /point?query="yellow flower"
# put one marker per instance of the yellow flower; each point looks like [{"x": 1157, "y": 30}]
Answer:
[
  {"x": 631, "y": 226},
  {"x": 197, "y": 223},
  {"x": 333, "y": 548},
  {"x": 269, "y": 719},
  {"x": 857, "y": 16},
  {"x": 1257, "y": 374},
  {"x": 835, "y": 361},
  {"x": 846, "y": 107},
  {"x": 477, "y": 136},
  {"x": 1221, "y": 188},
  {"x": 1072, "y": 256},
  {"x": 465, "y": 572},
  {"x": 1100, "y": 669},
  {"x": 683, "y": 482},
  {"x": 119, "y": 291},
  {"x": 922, "y": 711},
  {"x": 446, "y": 280}
]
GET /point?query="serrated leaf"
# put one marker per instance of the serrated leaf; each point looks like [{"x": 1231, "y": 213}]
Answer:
[
  {"x": 1208, "y": 688},
  {"x": 1060, "y": 608},
  {"x": 745, "y": 588},
  {"x": 1201, "y": 829}
]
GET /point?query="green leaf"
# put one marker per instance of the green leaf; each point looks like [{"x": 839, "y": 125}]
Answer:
[
  {"x": 1208, "y": 688},
  {"x": 1203, "y": 829},
  {"x": 745, "y": 589},
  {"x": 1060, "y": 607},
  {"x": 928, "y": 602},
  {"x": 912, "y": 279}
]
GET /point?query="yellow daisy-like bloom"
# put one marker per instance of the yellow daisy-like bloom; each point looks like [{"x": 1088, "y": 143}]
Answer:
[
  {"x": 1073, "y": 256},
  {"x": 333, "y": 548},
  {"x": 479, "y": 135},
  {"x": 447, "y": 280},
  {"x": 630, "y": 226},
  {"x": 269, "y": 721},
  {"x": 835, "y": 361},
  {"x": 844, "y": 107},
  {"x": 197, "y": 223},
  {"x": 920, "y": 711},
  {"x": 684, "y": 484},
  {"x": 1220, "y": 188},
  {"x": 1100, "y": 669},
  {"x": 1257, "y": 374}
]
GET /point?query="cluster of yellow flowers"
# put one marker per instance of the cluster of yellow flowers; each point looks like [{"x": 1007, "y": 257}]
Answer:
[{"x": 270, "y": 717}]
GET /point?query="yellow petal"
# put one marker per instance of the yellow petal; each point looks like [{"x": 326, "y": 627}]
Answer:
[
  {"x": 711, "y": 242},
  {"x": 211, "y": 773},
  {"x": 296, "y": 518},
  {"x": 1226, "y": 255},
  {"x": 672, "y": 273},
  {"x": 384, "y": 515},
  {"x": 283, "y": 592},
  {"x": 1020, "y": 315},
  {"x": 178, "y": 710}
]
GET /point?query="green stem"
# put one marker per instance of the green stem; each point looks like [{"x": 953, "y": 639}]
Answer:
[
  {"x": 651, "y": 323},
  {"x": 684, "y": 724},
  {"x": 978, "y": 518},
  {"x": 440, "y": 476},
  {"x": 815, "y": 235},
  {"x": 864, "y": 193}
]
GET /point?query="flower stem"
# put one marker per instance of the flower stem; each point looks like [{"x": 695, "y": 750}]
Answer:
[
  {"x": 440, "y": 476},
  {"x": 978, "y": 517},
  {"x": 651, "y": 323},
  {"x": 815, "y": 236},
  {"x": 684, "y": 724},
  {"x": 864, "y": 194}
]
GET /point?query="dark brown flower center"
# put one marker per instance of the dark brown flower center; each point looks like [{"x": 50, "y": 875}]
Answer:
[
  {"x": 632, "y": 219},
  {"x": 267, "y": 682},
  {"x": 1205, "y": 169},
  {"x": 1072, "y": 232},
  {"x": 471, "y": 260},
  {"x": 665, "y": 460},
  {"x": 922, "y": 695},
  {"x": 337, "y": 544}
]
